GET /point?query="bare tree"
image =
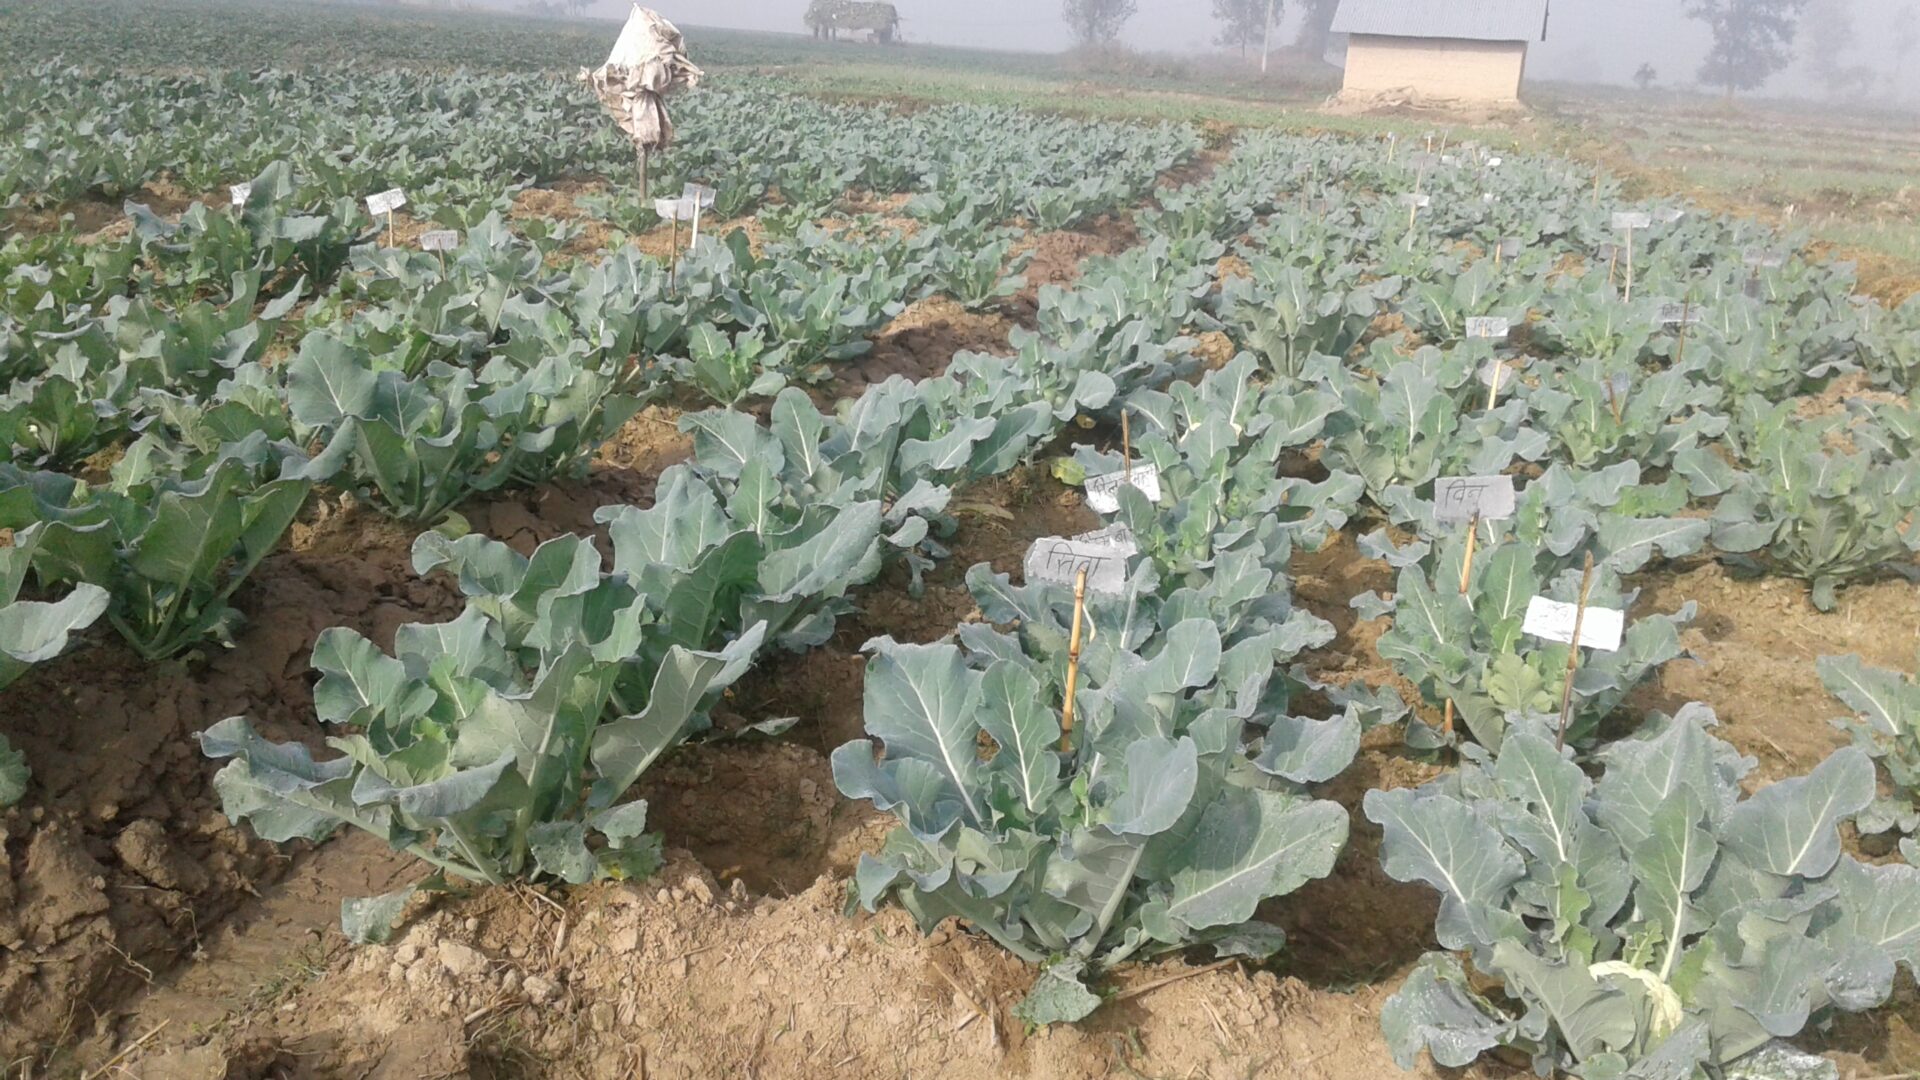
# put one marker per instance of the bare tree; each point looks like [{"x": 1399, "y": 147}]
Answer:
[
  {"x": 1244, "y": 23},
  {"x": 1645, "y": 77},
  {"x": 1097, "y": 22},
  {"x": 1752, "y": 39}
]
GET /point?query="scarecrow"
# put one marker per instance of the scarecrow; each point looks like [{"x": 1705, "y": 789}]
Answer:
[{"x": 648, "y": 62}]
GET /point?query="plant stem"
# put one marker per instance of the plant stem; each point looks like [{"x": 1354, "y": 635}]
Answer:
[{"x": 1573, "y": 653}]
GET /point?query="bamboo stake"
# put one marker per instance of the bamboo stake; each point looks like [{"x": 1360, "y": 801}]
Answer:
[
  {"x": 1573, "y": 653},
  {"x": 673, "y": 254},
  {"x": 1073, "y": 661},
  {"x": 1686, "y": 316},
  {"x": 1629, "y": 295},
  {"x": 1596, "y": 187},
  {"x": 1493, "y": 387},
  {"x": 1126, "y": 450},
  {"x": 644, "y": 154},
  {"x": 390, "y": 237},
  {"x": 1466, "y": 579}
]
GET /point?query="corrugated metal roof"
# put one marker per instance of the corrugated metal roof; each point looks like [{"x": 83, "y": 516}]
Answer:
[{"x": 1473, "y": 20}]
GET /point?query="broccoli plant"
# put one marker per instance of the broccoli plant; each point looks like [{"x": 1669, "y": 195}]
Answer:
[
  {"x": 1886, "y": 707},
  {"x": 1650, "y": 923}
]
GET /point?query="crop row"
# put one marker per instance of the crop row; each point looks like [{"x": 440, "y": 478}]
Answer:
[{"x": 1642, "y": 918}]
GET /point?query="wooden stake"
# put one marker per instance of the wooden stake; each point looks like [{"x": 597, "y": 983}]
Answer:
[
  {"x": 1466, "y": 579},
  {"x": 1613, "y": 400},
  {"x": 644, "y": 154},
  {"x": 1629, "y": 295},
  {"x": 1686, "y": 316},
  {"x": 673, "y": 254},
  {"x": 1073, "y": 661},
  {"x": 1493, "y": 388},
  {"x": 390, "y": 240},
  {"x": 1613, "y": 261},
  {"x": 1573, "y": 653},
  {"x": 1596, "y": 187}
]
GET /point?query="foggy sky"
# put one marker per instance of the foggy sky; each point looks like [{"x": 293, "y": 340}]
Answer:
[{"x": 1590, "y": 40}]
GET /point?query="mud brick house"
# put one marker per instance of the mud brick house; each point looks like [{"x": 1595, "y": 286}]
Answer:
[{"x": 1472, "y": 51}]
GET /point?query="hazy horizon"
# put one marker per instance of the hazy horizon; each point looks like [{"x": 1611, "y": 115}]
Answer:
[{"x": 1597, "y": 41}]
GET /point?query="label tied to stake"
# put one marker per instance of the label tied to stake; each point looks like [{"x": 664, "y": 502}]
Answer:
[
  {"x": 1117, "y": 537},
  {"x": 1552, "y": 620},
  {"x": 386, "y": 202},
  {"x": 1449, "y": 159},
  {"x": 1418, "y": 202},
  {"x": 1607, "y": 252},
  {"x": 1618, "y": 385},
  {"x": 1103, "y": 492},
  {"x": 1627, "y": 219},
  {"x": 1677, "y": 314},
  {"x": 1494, "y": 162},
  {"x": 1489, "y": 327},
  {"x": 439, "y": 240},
  {"x": 1059, "y": 561},
  {"x": 1424, "y": 158},
  {"x": 680, "y": 209},
  {"x": 241, "y": 193},
  {"x": 1463, "y": 498},
  {"x": 1762, "y": 259},
  {"x": 1669, "y": 214},
  {"x": 700, "y": 194},
  {"x": 1511, "y": 247}
]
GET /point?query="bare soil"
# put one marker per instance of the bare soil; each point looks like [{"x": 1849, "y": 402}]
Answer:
[{"x": 138, "y": 928}]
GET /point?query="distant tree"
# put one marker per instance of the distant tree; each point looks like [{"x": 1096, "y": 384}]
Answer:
[
  {"x": 1903, "y": 35},
  {"x": 1751, "y": 40},
  {"x": 1244, "y": 22},
  {"x": 1316, "y": 29},
  {"x": 1830, "y": 37},
  {"x": 1645, "y": 77},
  {"x": 1097, "y": 22}
]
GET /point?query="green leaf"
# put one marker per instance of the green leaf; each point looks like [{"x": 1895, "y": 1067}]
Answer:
[
  {"x": 1058, "y": 996},
  {"x": 1443, "y": 842},
  {"x": 14, "y": 774},
  {"x": 369, "y": 920},
  {"x": 1791, "y": 827},
  {"x": 1248, "y": 846},
  {"x": 1437, "y": 1011}
]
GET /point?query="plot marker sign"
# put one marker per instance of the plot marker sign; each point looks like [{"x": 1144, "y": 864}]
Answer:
[
  {"x": 240, "y": 193},
  {"x": 1466, "y": 498},
  {"x": 1061, "y": 561},
  {"x": 1488, "y": 328},
  {"x": 1553, "y": 620},
  {"x": 386, "y": 202},
  {"x": 1103, "y": 492}
]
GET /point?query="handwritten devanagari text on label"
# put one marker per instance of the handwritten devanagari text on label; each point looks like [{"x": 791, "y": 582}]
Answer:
[
  {"x": 1626, "y": 220},
  {"x": 1103, "y": 492},
  {"x": 1552, "y": 620},
  {"x": 386, "y": 202},
  {"x": 439, "y": 240},
  {"x": 1463, "y": 498},
  {"x": 1059, "y": 560},
  {"x": 1489, "y": 327}
]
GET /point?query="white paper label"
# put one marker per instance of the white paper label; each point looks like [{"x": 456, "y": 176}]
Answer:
[
  {"x": 1059, "y": 561},
  {"x": 1552, "y": 620},
  {"x": 1619, "y": 384},
  {"x": 1449, "y": 159},
  {"x": 1463, "y": 498},
  {"x": 439, "y": 240},
  {"x": 680, "y": 209},
  {"x": 1117, "y": 537},
  {"x": 1759, "y": 258},
  {"x": 1103, "y": 492},
  {"x": 241, "y": 193},
  {"x": 1417, "y": 201},
  {"x": 699, "y": 194},
  {"x": 1494, "y": 162},
  {"x": 1607, "y": 252},
  {"x": 386, "y": 202},
  {"x": 1676, "y": 314},
  {"x": 1631, "y": 220},
  {"x": 1669, "y": 214},
  {"x": 1489, "y": 327}
]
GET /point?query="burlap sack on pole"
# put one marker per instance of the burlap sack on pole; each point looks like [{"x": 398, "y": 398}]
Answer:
[{"x": 648, "y": 62}]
